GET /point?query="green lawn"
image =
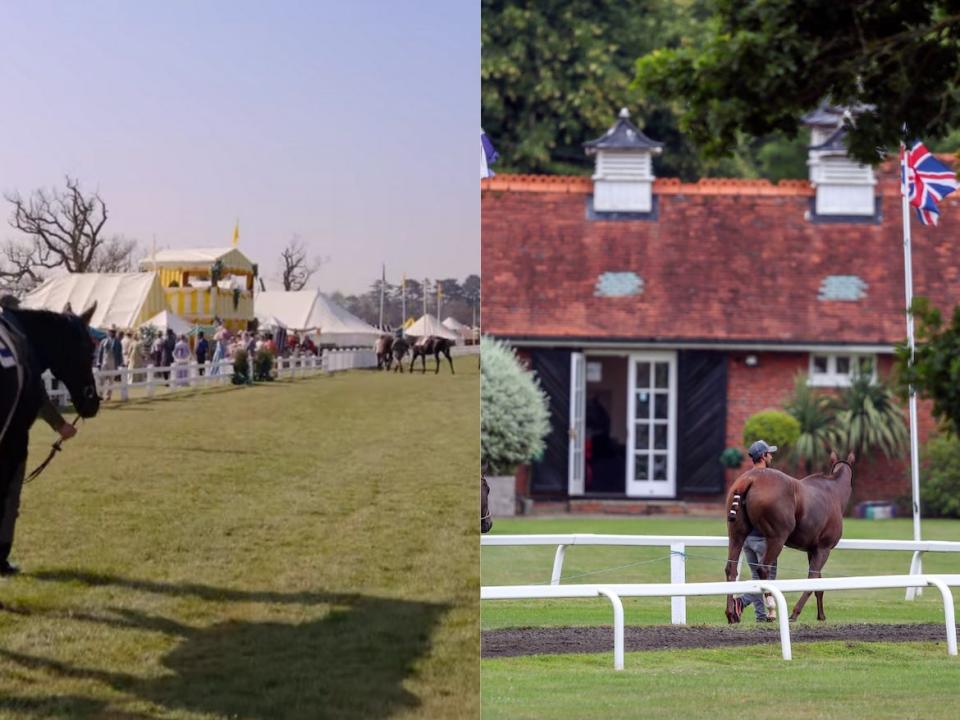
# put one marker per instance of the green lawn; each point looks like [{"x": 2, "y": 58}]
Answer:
[
  {"x": 298, "y": 549},
  {"x": 825, "y": 680}
]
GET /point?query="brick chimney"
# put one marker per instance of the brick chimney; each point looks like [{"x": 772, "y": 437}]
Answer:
[
  {"x": 623, "y": 175},
  {"x": 844, "y": 186}
]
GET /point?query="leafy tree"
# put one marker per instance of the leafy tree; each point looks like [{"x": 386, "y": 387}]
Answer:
[
  {"x": 940, "y": 481},
  {"x": 514, "y": 418},
  {"x": 554, "y": 74},
  {"x": 815, "y": 412},
  {"x": 764, "y": 64},
  {"x": 871, "y": 419},
  {"x": 935, "y": 371}
]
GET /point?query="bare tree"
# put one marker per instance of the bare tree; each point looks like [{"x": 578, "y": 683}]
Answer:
[
  {"x": 118, "y": 254},
  {"x": 295, "y": 268},
  {"x": 64, "y": 228}
]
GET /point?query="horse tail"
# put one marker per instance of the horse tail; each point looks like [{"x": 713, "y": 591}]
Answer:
[{"x": 738, "y": 497}]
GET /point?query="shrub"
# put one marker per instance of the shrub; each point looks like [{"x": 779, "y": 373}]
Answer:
[
  {"x": 940, "y": 481},
  {"x": 263, "y": 365},
  {"x": 241, "y": 367},
  {"x": 731, "y": 458},
  {"x": 776, "y": 427},
  {"x": 514, "y": 418}
]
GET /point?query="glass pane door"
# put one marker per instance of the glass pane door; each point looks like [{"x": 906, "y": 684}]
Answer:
[{"x": 653, "y": 401}]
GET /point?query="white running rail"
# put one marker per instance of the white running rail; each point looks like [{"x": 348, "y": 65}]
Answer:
[
  {"x": 614, "y": 592},
  {"x": 678, "y": 546}
]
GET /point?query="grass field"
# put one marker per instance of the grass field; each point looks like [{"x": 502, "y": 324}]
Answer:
[
  {"x": 826, "y": 680},
  {"x": 298, "y": 549}
]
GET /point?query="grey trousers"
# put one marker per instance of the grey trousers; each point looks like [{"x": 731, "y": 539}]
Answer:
[
  {"x": 11, "y": 509},
  {"x": 754, "y": 547}
]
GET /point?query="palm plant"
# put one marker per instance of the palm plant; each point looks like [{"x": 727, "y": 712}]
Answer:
[
  {"x": 819, "y": 433},
  {"x": 871, "y": 418}
]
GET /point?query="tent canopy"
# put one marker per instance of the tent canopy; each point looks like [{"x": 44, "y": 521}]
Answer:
[
  {"x": 451, "y": 323},
  {"x": 199, "y": 259},
  {"x": 123, "y": 299},
  {"x": 167, "y": 320},
  {"x": 312, "y": 311},
  {"x": 429, "y": 325}
]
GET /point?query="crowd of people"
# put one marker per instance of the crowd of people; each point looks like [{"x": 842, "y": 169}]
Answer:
[{"x": 172, "y": 353}]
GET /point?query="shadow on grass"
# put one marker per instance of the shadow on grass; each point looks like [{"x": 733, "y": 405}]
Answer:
[{"x": 350, "y": 664}]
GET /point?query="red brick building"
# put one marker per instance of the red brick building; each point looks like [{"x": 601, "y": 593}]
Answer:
[{"x": 659, "y": 315}]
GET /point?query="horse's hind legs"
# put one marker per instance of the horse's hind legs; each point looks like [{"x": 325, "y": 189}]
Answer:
[
  {"x": 818, "y": 558},
  {"x": 450, "y": 360},
  {"x": 735, "y": 545}
]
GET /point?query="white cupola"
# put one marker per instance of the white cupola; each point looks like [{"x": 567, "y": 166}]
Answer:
[
  {"x": 623, "y": 175},
  {"x": 844, "y": 186}
]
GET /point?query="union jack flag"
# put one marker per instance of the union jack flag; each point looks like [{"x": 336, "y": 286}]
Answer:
[
  {"x": 488, "y": 156},
  {"x": 925, "y": 181}
]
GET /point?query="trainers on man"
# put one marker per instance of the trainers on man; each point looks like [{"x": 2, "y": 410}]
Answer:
[{"x": 7, "y": 568}]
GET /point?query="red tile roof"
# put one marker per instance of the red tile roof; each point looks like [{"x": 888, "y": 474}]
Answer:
[{"x": 724, "y": 260}]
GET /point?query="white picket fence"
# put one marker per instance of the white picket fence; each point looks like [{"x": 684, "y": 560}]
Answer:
[
  {"x": 776, "y": 588},
  {"x": 678, "y": 545},
  {"x": 124, "y": 383}
]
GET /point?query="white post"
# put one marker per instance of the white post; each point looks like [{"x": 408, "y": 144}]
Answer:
[
  {"x": 908, "y": 290},
  {"x": 678, "y": 575},
  {"x": 558, "y": 565},
  {"x": 782, "y": 619},
  {"x": 124, "y": 384},
  {"x": 951, "y": 620},
  {"x": 617, "y": 626},
  {"x": 149, "y": 380}
]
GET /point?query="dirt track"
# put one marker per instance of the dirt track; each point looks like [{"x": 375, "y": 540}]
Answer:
[{"x": 537, "y": 641}]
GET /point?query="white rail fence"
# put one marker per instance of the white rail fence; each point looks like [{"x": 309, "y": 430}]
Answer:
[
  {"x": 678, "y": 545},
  {"x": 180, "y": 375},
  {"x": 615, "y": 592}
]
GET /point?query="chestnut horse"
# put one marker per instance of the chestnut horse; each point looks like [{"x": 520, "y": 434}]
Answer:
[{"x": 804, "y": 514}]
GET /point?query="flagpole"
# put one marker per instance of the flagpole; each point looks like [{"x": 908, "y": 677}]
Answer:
[
  {"x": 403, "y": 300},
  {"x": 383, "y": 281},
  {"x": 916, "y": 563}
]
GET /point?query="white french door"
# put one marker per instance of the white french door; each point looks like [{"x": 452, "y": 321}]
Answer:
[
  {"x": 652, "y": 425},
  {"x": 578, "y": 391}
]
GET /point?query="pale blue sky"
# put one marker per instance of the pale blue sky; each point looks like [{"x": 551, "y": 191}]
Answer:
[{"x": 352, "y": 124}]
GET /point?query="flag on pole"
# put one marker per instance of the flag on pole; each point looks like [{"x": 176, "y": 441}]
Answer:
[
  {"x": 236, "y": 233},
  {"x": 488, "y": 155},
  {"x": 925, "y": 181}
]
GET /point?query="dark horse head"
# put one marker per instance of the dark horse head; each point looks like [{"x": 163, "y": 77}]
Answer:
[
  {"x": 61, "y": 343},
  {"x": 485, "y": 522}
]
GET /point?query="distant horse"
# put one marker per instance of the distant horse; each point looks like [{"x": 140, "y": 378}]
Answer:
[
  {"x": 401, "y": 346},
  {"x": 802, "y": 514},
  {"x": 485, "y": 522},
  {"x": 431, "y": 345},
  {"x": 384, "y": 351},
  {"x": 32, "y": 341}
]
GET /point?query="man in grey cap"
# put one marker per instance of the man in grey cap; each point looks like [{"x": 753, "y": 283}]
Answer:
[{"x": 755, "y": 546}]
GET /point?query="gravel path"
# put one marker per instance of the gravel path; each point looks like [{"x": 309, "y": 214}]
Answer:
[{"x": 512, "y": 642}]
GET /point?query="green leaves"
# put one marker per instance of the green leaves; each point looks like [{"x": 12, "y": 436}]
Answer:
[
  {"x": 935, "y": 370},
  {"x": 871, "y": 419},
  {"x": 819, "y": 433}
]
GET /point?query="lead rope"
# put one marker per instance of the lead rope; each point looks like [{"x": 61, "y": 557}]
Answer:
[{"x": 54, "y": 449}]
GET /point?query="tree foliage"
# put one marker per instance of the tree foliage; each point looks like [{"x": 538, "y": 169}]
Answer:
[
  {"x": 935, "y": 370},
  {"x": 555, "y": 73},
  {"x": 296, "y": 268},
  {"x": 940, "y": 482},
  {"x": 762, "y": 65},
  {"x": 514, "y": 418}
]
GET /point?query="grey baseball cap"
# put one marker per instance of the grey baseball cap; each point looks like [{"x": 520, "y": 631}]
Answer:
[{"x": 759, "y": 449}]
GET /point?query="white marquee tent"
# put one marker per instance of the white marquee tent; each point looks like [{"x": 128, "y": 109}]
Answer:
[
  {"x": 167, "y": 320},
  {"x": 464, "y": 331},
  {"x": 311, "y": 311},
  {"x": 429, "y": 325},
  {"x": 123, "y": 299}
]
